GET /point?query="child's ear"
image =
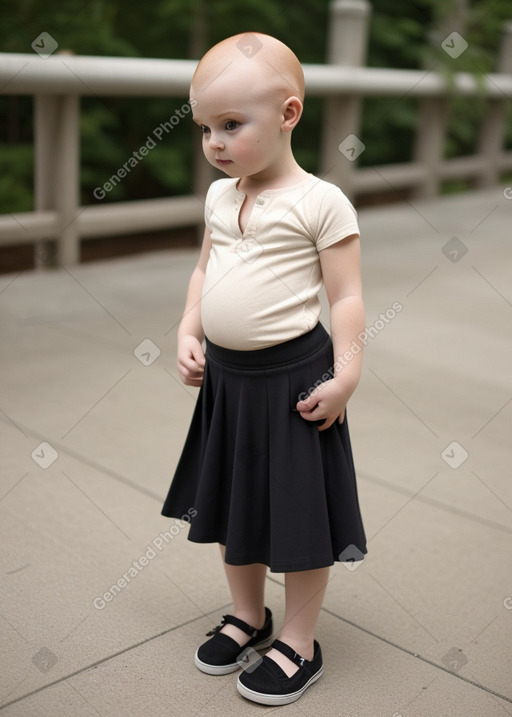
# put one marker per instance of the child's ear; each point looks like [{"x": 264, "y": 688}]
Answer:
[{"x": 292, "y": 111}]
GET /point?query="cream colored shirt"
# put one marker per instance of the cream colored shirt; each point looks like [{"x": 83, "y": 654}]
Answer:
[{"x": 261, "y": 287}]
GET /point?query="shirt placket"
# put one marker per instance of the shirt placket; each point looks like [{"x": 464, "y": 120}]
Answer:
[{"x": 252, "y": 224}]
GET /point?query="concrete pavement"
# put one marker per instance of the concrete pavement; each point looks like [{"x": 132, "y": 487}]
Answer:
[{"x": 93, "y": 417}]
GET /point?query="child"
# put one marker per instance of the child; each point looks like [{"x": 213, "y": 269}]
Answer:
[{"x": 267, "y": 468}]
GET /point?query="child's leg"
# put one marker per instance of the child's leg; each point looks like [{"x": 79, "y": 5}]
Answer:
[
  {"x": 247, "y": 586},
  {"x": 304, "y": 592}
]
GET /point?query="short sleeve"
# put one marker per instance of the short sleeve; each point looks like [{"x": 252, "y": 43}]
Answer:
[{"x": 337, "y": 219}]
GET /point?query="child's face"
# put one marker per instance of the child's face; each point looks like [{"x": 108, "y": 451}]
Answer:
[{"x": 241, "y": 125}]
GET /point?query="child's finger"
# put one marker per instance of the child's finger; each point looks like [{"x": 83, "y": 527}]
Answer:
[
  {"x": 199, "y": 358},
  {"x": 189, "y": 363},
  {"x": 191, "y": 378},
  {"x": 197, "y": 382},
  {"x": 312, "y": 414},
  {"x": 327, "y": 423},
  {"x": 308, "y": 404}
]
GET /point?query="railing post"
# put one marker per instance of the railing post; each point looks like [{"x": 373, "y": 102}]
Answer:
[
  {"x": 348, "y": 33},
  {"x": 494, "y": 125},
  {"x": 57, "y": 174},
  {"x": 46, "y": 113},
  {"x": 429, "y": 148},
  {"x": 68, "y": 180}
]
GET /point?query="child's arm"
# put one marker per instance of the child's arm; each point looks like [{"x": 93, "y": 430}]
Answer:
[
  {"x": 341, "y": 270},
  {"x": 190, "y": 332}
]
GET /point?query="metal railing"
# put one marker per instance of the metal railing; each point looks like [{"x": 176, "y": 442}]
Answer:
[{"x": 58, "y": 82}]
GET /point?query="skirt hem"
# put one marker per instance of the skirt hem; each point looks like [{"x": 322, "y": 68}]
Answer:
[{"x": 312, "y": 562}]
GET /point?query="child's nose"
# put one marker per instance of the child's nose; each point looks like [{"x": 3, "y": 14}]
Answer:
[{"x": 216, "y": 142}]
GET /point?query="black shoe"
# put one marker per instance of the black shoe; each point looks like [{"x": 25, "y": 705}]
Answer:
[
  {"x": 268, "y": 684},
  {"x": 222, "y": 655}
]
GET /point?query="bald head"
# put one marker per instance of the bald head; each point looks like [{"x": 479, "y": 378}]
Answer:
[{"x": 257, "y": 57}]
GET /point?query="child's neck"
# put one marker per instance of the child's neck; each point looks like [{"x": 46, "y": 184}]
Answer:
[{"x": 285, "y": 174}]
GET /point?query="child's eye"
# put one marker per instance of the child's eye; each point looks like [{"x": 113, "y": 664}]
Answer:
[
  {"x": 204, "y": 129},
  {"x": 232, "y": 124}
]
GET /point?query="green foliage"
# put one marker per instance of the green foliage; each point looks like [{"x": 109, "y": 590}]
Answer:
[
  {"x": 402, "y": 35},
  {"x": 164, "y": 170},
  {"x": 16, "y": 178},
  {"x": 398, "y": 33},
  {"x": 84, "y": 28},
  {"x": 481, "y": 29},
  {"x": 165, "y": 167}
]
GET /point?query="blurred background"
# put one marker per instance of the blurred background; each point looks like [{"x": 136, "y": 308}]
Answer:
[
  {"x": 401, "y": 35},
  {"x": 94, "y": 416}
]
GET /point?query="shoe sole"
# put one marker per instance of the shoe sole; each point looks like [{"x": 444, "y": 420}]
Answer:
[
  {"x": 227, "y": 669},
  {"x": 277, "y": 700}
]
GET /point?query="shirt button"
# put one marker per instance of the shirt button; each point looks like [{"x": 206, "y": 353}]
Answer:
[{"x": 260, "y": 202}]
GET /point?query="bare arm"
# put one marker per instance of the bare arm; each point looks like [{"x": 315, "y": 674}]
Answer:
[
  {"x": 190, "y": 332},
  {"x": 341, "y": 270}
]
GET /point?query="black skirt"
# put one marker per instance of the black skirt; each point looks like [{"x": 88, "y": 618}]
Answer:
[{"x": 257, "y": 477}]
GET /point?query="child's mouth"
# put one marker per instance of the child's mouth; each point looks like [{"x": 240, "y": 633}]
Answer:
[{"x": 223, "y": 161}]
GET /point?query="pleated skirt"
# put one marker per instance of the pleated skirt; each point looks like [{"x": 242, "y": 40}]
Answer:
[{"x": 257, "y": 477}]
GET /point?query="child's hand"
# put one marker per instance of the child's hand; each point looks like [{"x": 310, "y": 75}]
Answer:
[
  {"x": 191, "y": 361},
  {"x": 327, "y": 402}
]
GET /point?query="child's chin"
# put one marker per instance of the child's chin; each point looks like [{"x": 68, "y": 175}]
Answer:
[{"x": 230, "y": 170}]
